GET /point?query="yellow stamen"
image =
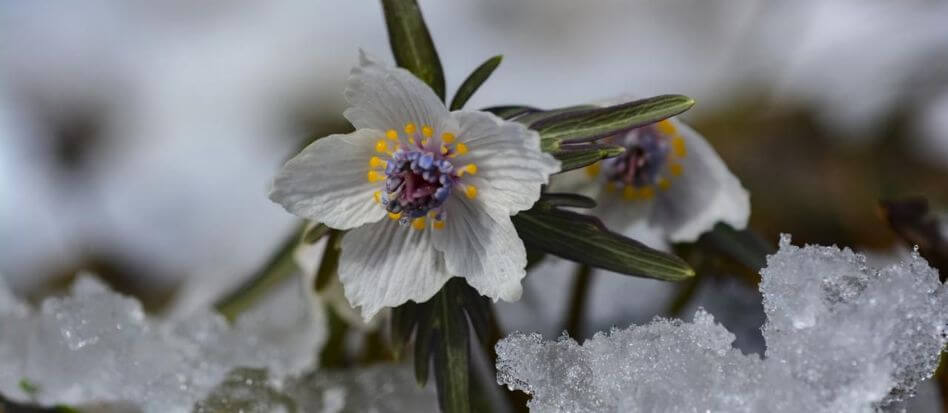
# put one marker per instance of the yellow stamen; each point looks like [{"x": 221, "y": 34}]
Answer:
[
  {"x": 593, "y": 170},
  {"x": 469, "y": 168},
  {"x": 409, "y": 128},
  {"x": 418, "y": 223},
  {"x": 460, "y": 148},
  {"x": 376, "y": 162},
  {"x": 471, "y": 191},
  {"x": 381, "y": 146},
  {"x": 377, "y": 196},
  {"x": 444, "y": 149},
  {"x": 439, "y": 224},
  {"x": 647, "y": 192},
  {"x": 663, "y": 184},
  {"x": 427, "y": 131},
  {"x": 391, "y": 134},
  {"x": 393, "y": 216},
  {"x": 629, "y": 192},
  {"x": 666, "y": 127},
  {"x": 676, "y": 169},
  {"x": 447, "y": 137},
  {"x": 678, "y": 146},
  {"x": 374, "y": 176}
]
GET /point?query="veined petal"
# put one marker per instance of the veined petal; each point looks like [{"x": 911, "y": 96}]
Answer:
[
  {"x": 327, "y": 181},
  {"x": 385, "y": 264},
  {"x": 510, "y": 163},
  {"x": 630, "y": 218},
  {"x": 385, "y": 97},
  {"x": 483, "y": 247},
  {"x": 705, "y": 193}
]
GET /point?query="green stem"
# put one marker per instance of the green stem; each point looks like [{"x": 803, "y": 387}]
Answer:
[
  {"x": 278, "y": 268},
  {"x": 577, "y": 303},
  {"x": 685, "y": 293}
]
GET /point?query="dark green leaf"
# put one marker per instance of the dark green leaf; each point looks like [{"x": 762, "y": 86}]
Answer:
[
  {"x": 330, "y": 262},
  {"x": 510, "y": 112},
  {"x": 534, "y": 257},
  {"x": 591, "y": 124},
  {"x": 411, "y": 43},
  {"x": 403, "y": 322},
  {"x": 474, "y": 81},
  {"x": 532, "y": 118},
  {"x": 743, "y": 246},
  {"x": 315, "y": 233},
  {"x": 584, "y": 239},
  {"x": 451, "y": 352},
  {"x": 424, "y": 341},
  {"x": 568, "y": 200},
  {"x": 578, "y": 156},
  {"x": 478, "y": 310}
]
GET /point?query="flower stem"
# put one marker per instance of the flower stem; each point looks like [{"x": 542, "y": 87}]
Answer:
[
  {"x": 577, "y": 304},
  {"x": 278, "y": 268}
]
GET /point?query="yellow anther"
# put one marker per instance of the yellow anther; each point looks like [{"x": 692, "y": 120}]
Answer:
[
  {"x": 376, "y": 162},
  {"x": 444, "y": 149},
  {"x": 593, "y": 170},
  {"x": 610, "y": 187},
  {"x": 418, "y": 223},
  {"x": 374, "y": 176},
  {"x": 447, "y": 137},
  {"x": 393, "y": 216},
  {"x": 381, "y": 146},
  {"x": 460, "y": 148},
  {"x": 469, "y": 168},
  {"x": 427, "y": 131},
  {"x": 391, "y": 134},
  {"x": 647, "y": 192},
  {"x": 409, "y": 128},
  {"x": 377, "y": 196},
  {"x": 439, "y": 224},
  {"x": 471, "y": 191},
  {"x": 666, "y": 127},
  {"x": 663, "y": 184},
  {"x": 629, "y": 192},
  {"x": 676, "y": 169},
  {"x": 678, "y": 146}
]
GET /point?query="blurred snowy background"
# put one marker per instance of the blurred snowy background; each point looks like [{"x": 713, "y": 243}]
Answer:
[{"x": 138, "y": 138}]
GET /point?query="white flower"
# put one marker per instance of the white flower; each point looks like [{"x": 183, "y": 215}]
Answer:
[
  {"x": 426, "y": 194},
  {"x": 669, "y": 186}
]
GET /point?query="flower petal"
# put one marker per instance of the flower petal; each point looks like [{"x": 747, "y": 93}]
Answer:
[
  {"x": 483, "y": 247},
  {"x": 510, "y": 164},
  {"x": 327, "y": 181},
  {"x": 631, "y": 218},
  {"x": 385, "y": 264},
  {"x": 706, "y": 193},
  {"x": 384, "y": 97}
]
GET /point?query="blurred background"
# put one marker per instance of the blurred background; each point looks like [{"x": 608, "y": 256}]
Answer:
[{"x": 138, "y": 138}]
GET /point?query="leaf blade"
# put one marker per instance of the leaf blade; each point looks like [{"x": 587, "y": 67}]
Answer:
[
  {"x": 474, "y": 81},
  {"x": 411, "y": 43},
  {"x": 595, "y": 123}
]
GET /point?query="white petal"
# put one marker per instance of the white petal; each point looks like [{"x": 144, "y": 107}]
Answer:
[
  {"x": 706, "y": 193},
  {"x": 483, "y": 247},
  {"x": 386, "y": 264},
  {"x": 384, "y": 97},
  {"x": 630, "y": 218},
  {"x": 510, "y": 165},
  {"x": 327, "y": 181}
]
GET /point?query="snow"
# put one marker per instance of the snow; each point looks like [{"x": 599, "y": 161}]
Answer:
[
  {"x": 95, "y": 346},
  {"x": 841, "y": 336}
]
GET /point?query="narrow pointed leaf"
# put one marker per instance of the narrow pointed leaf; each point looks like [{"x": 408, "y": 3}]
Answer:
[
  {"x": 477, "y": 308},
  {"x": 535, "y": 117},
  {"x": 584, "y": 155},
  {"x": 424, "y": 342},
  {"x": 591, "y": 124},
  {"x": 568, "y": 200},
  {"x": 585, "y": 239},
  {"x": 510, "y": 112},
  {"x": 411, "y": 43},
  {"x": 330, "y": 262},
  {"x": 452, "y": 352},
  {"x": 403, "y": 322},
  {"x": 315, "y": 233},
  {"x": 474, "y": 82}
]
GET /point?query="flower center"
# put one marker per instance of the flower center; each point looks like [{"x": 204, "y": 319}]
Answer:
[
  {"x": 421, "y": 171},
  {"x": 649, "y": 161},
  {"x": 417, "y": 182}
]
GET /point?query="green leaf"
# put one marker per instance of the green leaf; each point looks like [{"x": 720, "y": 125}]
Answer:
[
  {"x": 510, "y": 112},
  {"x": 474, "y": 82},
  {"x": 744, "y": 246},
  {"x": 568, "y": 200},
  {"x": 532, "y": 118},
  {"x": 591, "y": 124},
  {"x": 403, "y": 322},
  {"x": 585, "y": 239},
  {"x": 452, "y": 351},
  {"x": 330, "y": 262},
  {"x": 578, "y": 156},
  {"x": 424, "y": 341},
  {"x": 315, "y": 233},
  {"x": 411, "y": 43}
]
